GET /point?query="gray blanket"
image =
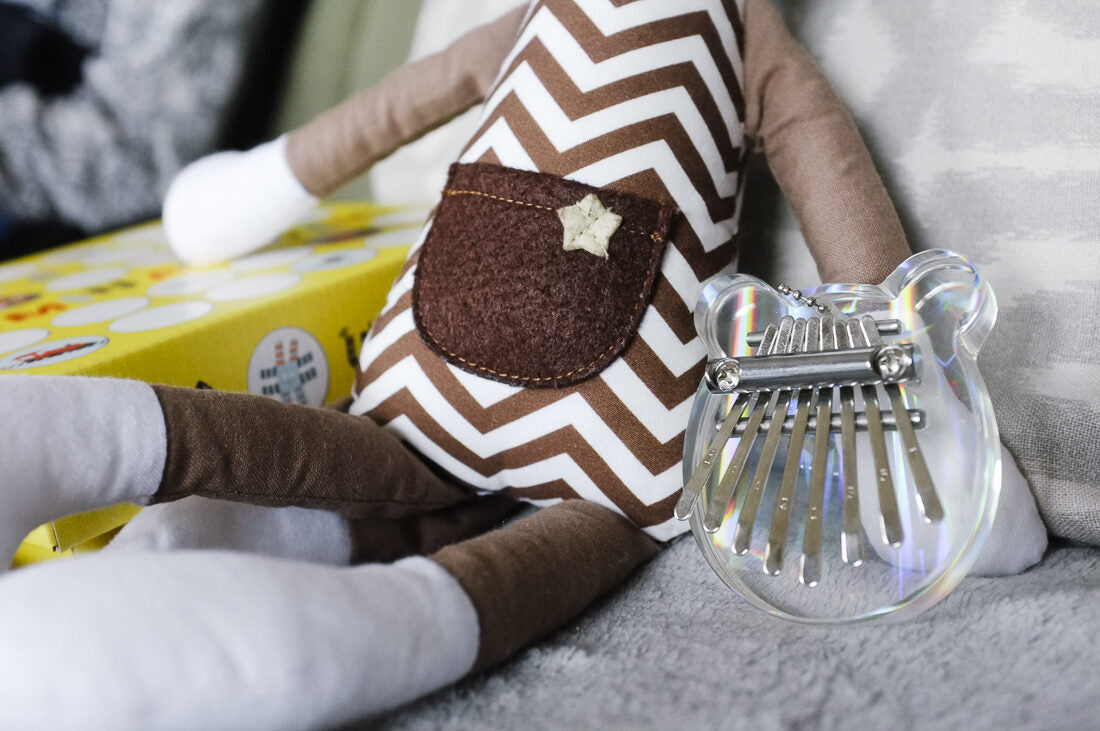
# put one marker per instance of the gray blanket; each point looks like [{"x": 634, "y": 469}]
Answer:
[{"x": 675, "y": 649}]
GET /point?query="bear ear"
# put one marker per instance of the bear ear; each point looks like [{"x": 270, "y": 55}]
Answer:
[
  {"x": 817, "y": 156},
  {"x": 950, "y": 295}
]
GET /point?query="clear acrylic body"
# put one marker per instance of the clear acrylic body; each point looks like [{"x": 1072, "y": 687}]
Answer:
[{"x": 946, "y": 310}]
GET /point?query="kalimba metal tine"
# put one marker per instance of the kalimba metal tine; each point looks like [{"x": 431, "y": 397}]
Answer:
[
  {"x": 929, "y": 500},
  {"x": 892, "y": 532},
  {"x": 742, "y": 533},
  {"x": 719, "y": 501},
  {"x": 777, "y": 536},
  {"x": 810, "y": 572},
  {"x": 851, "y": 538},
  {"x": 710, "y": 458}
]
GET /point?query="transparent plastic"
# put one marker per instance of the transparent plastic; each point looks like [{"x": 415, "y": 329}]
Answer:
[{"x": 946, "y": 310}]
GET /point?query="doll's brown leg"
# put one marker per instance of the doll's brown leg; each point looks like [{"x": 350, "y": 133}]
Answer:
[
  {"x": 532, "y": 576},
  {"x": 256, "y": 450},
  {"x": 384, "y": 540}
]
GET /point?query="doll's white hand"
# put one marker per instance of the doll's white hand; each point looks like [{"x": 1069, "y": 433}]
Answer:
[
  {"x": 74, "y": 444},
  {"x": 230, "y": 203},
  {"x": 197, "y": 522}
]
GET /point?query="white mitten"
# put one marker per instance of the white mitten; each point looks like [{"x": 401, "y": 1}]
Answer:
[
  {"x": 74, "y": 444},
  {"x": 231, "y": 203},
  {"x": 218, "y": 640},
  {"x": 198, "y": 522}
]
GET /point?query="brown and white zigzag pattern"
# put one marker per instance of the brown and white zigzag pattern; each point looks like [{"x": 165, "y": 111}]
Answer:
[{"x": 643, "y": 97}]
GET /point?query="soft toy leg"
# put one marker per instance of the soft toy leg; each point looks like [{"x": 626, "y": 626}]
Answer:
[
  {"x": 213, "y": 640},
  {"x": 222, "y": 640},
  {"x": 197, "y": 522},
  {"x": 534, "y": 575},
  {"x": 74, "y": 444}
]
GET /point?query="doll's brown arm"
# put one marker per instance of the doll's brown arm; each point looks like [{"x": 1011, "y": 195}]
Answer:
[
  {"x": 383, "y": 540},
  {"x": 413, "y": 100},
  {"x": 253, "y": 449},
  {"x": 532, "y": 576},
  {"x": 817, "y": 156}
]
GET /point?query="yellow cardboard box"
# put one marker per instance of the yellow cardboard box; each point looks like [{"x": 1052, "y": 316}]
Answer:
[{"x": 286, "y": 322}]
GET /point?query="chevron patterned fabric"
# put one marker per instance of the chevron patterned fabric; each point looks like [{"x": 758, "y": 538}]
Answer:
[{"x": 639, "y": 97}]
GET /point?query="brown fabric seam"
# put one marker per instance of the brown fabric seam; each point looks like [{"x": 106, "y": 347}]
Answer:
[{"x": 655, "y": 236}]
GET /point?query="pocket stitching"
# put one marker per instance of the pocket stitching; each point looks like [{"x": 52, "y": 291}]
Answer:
[{"x": 654, "y": 236}]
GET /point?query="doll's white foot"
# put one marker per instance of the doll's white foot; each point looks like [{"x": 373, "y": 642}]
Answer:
[
  {"x": 198, "y": 522},
  {"x": 73, "y": 444},
  {"x": 230, "y": 203},
  {"x": 1018, "y": 538},
  {"x": 216, "y": 640}
]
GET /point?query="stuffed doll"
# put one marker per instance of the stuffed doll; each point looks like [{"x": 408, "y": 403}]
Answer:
[{"x": 538, "y": 345}]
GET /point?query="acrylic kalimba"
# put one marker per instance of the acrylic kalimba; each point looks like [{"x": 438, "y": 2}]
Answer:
[{"x": 842, "y": 459}]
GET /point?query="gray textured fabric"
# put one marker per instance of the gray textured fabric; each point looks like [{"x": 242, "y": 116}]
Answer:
[
  {"x": 153, "y": 97},
  {"x": 982, "y": 118},
  {"x": 675, "y": 650}
]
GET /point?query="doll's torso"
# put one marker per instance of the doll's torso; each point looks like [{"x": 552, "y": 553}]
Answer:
[{"x": 638, "y": 98}]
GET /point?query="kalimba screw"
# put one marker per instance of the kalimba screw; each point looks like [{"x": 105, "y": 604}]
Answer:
[
  {"x": 727, "y": 375},
  {"x": 892, "y": 361}
]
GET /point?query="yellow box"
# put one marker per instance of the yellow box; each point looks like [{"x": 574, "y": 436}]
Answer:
[{"x": 286, "y": 322}]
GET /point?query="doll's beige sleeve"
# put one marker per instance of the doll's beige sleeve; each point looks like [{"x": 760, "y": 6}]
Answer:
[
  {"x": 415, "y": 99},
  {"x": 817, "y": 156}
]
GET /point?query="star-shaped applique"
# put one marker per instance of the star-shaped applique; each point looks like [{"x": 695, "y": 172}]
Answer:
[{"x": 588, "y": 225}]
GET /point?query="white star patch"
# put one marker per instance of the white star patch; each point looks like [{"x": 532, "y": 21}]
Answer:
[{"x": 588, "y": 225}]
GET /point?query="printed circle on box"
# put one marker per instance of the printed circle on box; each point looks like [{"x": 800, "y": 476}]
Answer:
[
  {"x": 289, "y": 364},
  {"x": 134, "y": 258},
  {"x": 190, "y": 283},
  {"x": 334, "y": 260},
  {"x": 100, "y": 312},
  {"x": 11, "y": 272},
  {"x": 251, "y": 287},
  {"x": 22, "y": 338},
  {"x": 156, "y": 318},
  {"x": 269, "y": 259},
  {"x": 55, "y": 351}
]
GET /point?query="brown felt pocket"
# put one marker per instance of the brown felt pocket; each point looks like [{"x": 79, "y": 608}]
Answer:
[{"x": 496, "y": 293}]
